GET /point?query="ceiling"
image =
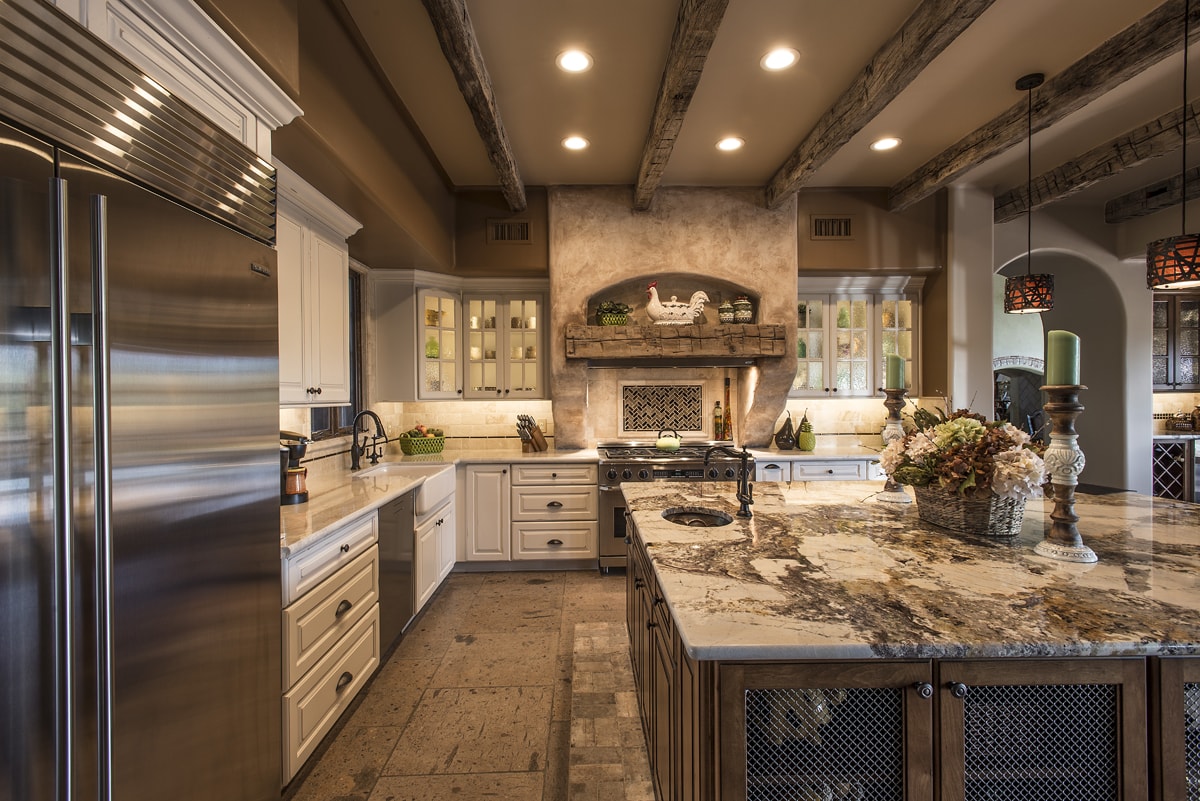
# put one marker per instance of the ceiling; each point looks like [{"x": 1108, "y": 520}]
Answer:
[{"x": 968, "y": 84}]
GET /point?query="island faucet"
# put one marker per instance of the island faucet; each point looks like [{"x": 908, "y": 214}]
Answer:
[
  {"x": 745, "y": 490},
  {"x": 356, "y": 450}
]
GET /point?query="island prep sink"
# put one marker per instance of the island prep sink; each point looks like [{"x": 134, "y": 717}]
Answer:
[{"x": 697, "y": 517}]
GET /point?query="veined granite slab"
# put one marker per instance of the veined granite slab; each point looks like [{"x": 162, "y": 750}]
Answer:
[{"x": 823, "y": 571}]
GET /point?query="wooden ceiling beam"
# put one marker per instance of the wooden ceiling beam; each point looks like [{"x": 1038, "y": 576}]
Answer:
[
  {"x": 1152, "y": 198},
  {"x": 461, "y": 49},
  {"x": 1141, "y": 45},
  {"x": 695, "y": 28},
  {"x": 1149, "y": 141},
  {"x": 925, "y": 34}
]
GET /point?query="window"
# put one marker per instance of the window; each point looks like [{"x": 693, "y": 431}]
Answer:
[{"x": 335, "y": 421}]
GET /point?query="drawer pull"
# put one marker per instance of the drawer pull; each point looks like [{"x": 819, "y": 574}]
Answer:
[
  {"x": 554, "y": 475},
  {"x": 830, "y": 471},
  {"x": 924, "y": 689},
  {"x": 343, "y": 680},
  {"x": 554, "y": 505},
  {"x": 554, "y": 542},
  {"x": 345, "y": 548},
  {"x": 958, "y": 689},
  {"x": 342, "y": 608}
]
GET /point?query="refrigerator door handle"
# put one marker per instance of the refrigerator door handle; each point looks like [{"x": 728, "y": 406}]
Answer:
[
  {"x": 64, "y": 493},
  {"x": 102, "y": 409}
]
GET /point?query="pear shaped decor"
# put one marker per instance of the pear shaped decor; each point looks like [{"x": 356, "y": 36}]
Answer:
[
  {"x": 785, "y": 437},
  {"x": 807, "y": 439}
]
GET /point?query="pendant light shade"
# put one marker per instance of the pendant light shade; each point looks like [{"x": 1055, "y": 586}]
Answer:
[
  {"x": 1174, "y": 262},
  {"x": 1030, "y": 293}
]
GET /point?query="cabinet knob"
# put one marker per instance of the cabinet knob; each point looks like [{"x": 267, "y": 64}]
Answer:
[
  {"x": 504, "y": 471},
  {"x": 924, "y": 689},
  {"x": 957, "y": 689},
  {"x": 460, "y": 390},
  {"x": 554, "y": 475},
  {"x": 639, "y": 583},
  {"x": 554, "y": 505},
  {"x": 345, "y": 548},
  {"x": 650, "y": 624},
  {"x": 554, "y": 542},
  {"x": 343, "y": 680},
  {"x": 830, "y": 471},
  {"x": 342, "y": 608}
]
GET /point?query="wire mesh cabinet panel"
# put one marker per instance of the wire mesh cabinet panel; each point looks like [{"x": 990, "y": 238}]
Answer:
[
  {"x": 1172, "y": 469},
  {"x": 829, "y": 730},
  {"x": 1176, "y": 729},
  {"x": 1043, "y": 730}
]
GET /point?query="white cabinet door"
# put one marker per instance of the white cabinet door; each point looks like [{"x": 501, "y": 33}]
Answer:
[
  {"x": 446, "y": 540},
  {"x": 329, "y": 322},
  {"x": 289, "y": 246},
  {"x": 487, "y": 491},
  {"x": 425, "y": 562}
]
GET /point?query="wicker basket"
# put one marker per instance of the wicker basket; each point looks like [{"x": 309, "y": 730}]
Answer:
[
  {"x": 612, "y": 318},
  {"x": 421, "y": 445},
  {"x": 993, "y": 516}
]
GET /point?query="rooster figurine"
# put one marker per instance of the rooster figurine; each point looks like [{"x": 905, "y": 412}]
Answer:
[{"x": 673, "y": 312}]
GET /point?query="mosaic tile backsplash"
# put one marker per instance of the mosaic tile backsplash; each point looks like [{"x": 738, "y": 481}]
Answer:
[{"x": 649, "y": 408}]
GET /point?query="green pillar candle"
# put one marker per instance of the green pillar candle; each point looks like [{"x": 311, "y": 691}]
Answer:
[
  {"x": 893, "y": 372},
  {"x": 1062, "y": 358}
]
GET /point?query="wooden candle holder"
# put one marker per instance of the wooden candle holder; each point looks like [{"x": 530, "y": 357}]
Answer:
[
  {"x": 893, "y": 430},
  {"x": 1064, "y": 462}
]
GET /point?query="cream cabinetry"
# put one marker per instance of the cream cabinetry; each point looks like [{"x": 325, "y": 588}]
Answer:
[
  {"x": 487, "y": 524},
  {"x": 504, "y": 345},
  {"x": 314, "y": 322},
  {"x": 555, "y": 508},
  {"x": 330, "y": 633},
  {"x": 809, "y": 469},
  {"x": 434, "y": 559}
]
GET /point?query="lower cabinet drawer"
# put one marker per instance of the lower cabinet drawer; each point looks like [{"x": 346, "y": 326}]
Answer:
[
  {"x": 314, "y": 624},
  {"x": 569, "y": 540},
  {"x": 314, "y": 704},
  {"x": 303, "y": 571},
  {"x": 555, "y": 503},
  {"x": 839, "y": 470}
]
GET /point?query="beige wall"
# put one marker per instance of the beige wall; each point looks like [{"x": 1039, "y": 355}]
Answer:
[
  {"x": 474, "y": 256},
  {"x": 905, "y": 241}
]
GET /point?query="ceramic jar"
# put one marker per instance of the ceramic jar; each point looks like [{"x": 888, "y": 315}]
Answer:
[
  {"x": 743, "y": 310},
  {"x": 725, "y": 312}
]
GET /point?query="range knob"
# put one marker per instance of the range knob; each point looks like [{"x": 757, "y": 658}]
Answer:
[
  {"x": 730, "y": 473},
  {"x": 626, "y": 474},
  {"x": 713, "y": 472},
  {"x": 643, "y": 474},
  {"x": 612, "y": 473}
]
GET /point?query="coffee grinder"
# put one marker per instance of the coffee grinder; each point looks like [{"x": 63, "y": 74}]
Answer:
[{"x": 292, "y": 476}]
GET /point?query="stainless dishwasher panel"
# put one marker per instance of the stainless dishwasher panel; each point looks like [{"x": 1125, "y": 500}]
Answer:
[{"x": 396, "y": 532}]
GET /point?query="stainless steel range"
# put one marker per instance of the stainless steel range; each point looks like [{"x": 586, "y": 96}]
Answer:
[{"x": 631, "y": 461}]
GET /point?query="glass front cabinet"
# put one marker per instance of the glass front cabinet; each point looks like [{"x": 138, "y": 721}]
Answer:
[
  {"x": 437, "y": 320},
  {"x": 504, "y": 346},
  {"x": 842, "y": 340}
]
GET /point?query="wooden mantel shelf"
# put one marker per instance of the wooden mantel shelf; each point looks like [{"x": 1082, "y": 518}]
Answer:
[{"x": 673, "y": 341}]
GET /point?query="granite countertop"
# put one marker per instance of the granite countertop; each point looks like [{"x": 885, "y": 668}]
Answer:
[
  {"x": 337, "y": 497},
  {"x": 823, "y": 572}
]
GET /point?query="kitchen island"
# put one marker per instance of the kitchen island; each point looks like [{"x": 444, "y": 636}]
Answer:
[{"x": 770, "y": 652}]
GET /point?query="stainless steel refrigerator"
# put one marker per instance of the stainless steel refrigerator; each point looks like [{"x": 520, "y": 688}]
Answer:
[{"x": 139, "y": 483}]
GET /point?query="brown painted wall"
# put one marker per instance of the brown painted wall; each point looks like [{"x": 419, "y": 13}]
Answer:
[
  {"x": 935, "y": 315},
  {"x": 268, "y": 30},
  {"x": 474, "y": 256},
  {"x": 883, "y": 240}
]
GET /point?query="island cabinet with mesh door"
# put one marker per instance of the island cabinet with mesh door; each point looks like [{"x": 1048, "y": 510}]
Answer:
[{"x": 836, "y": 651}]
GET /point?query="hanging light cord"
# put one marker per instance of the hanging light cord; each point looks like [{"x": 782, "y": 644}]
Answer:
[
  {"x": 1029, "y": 185},
  {"x": 1187, "y": 14}
]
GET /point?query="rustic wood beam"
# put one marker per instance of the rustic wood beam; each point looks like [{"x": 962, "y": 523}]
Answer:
[
  {"x": 925, "y": 34},
  {"x": 695, "y": 28},
  {"x": 461, "y": 49},
  {"x": 1152, "y": 198},
  {"x": 1141, "y": 45},
  {"x": 1130, "y": 149}
]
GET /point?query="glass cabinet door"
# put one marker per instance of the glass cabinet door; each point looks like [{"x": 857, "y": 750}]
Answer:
[
  {"x": 852, "y": 343},
  {"x": 504, "y": 346},
  {"x": 896, "y": 327},
  {"x": 483, "y": 349},
  {"x": 439, "y": 345},
  {"x": 524, "y": 359},
  {"x": 810, "y": 346}
]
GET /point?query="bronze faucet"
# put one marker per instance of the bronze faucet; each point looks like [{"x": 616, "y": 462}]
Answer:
[
  {"x": 745, "y": 490},
  {"x": 356, "y": 450}
]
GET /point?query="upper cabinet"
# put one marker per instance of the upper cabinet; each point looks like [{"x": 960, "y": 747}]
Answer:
[
  {"x": 1175, "y": 352},
  {"x": 843, "y": 337},
  {"x": 439, "y": 337},
  {"x": 313, "y": 268}
]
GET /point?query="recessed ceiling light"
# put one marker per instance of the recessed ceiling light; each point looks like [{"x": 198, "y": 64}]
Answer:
[
  {"x": 779, "y": 59},
  {"x": 886, "y": 143},
  {"x": 575, "y": 143},
  {"x": 574, "y": 61},
  {"x": 731, "y": 143}
]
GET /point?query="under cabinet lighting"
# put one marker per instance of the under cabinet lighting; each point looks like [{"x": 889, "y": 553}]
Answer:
[
  {"x": 575, "y": 143},
  {"x": 731, "y": 143},
  {"x": 574, "y": 61}
]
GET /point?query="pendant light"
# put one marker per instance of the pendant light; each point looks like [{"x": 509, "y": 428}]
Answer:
[
  {"x": 1029, "y": 293},
  {"x": 1174, "y": 262}
]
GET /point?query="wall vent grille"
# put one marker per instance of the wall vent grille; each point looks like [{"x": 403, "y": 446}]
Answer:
[
  {"x": 508, "y": 232},
  {"x": 831, "y": 227}
]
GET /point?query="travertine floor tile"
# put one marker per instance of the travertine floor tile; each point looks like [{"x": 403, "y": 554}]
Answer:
[
  {"x": 350, "y": 767},
  {"x": 460, "y": 787},
  {"x": 558, "y": 763},
  {"x": 501, "y": 729},
  {"x": 499, "y": 659},
  {"x": 394, "y": 692}
]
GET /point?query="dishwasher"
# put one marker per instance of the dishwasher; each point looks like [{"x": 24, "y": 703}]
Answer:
[{"x": 396, "y": 531}]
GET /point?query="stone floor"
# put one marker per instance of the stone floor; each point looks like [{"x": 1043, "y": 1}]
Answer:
[{"x": 475, "y": 702}]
